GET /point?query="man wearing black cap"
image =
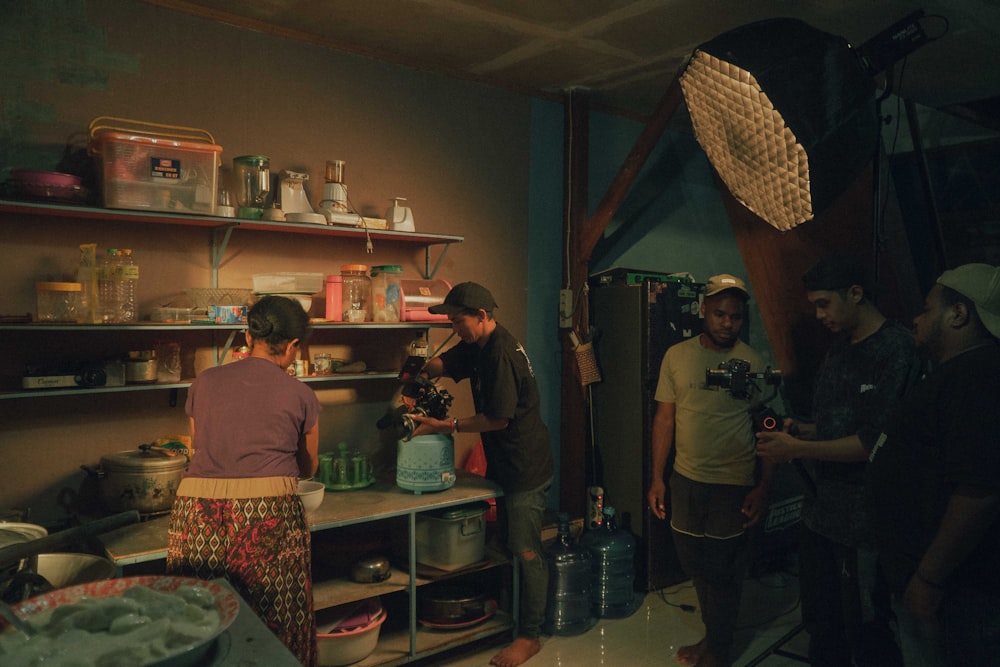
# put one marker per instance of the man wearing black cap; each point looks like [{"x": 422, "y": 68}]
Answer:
[
  {"x": 845, "y": 607},
  {"x": 716, "y": 490},
  {"x": 935, "y": 480},
  {"x": 516, "y": 442}
]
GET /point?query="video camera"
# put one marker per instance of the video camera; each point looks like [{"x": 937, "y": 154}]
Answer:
[
  {"x": 735, "y": 376},
  {"x": 428, "y": 401}
]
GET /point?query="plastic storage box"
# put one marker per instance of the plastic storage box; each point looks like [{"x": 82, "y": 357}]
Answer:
[
  {"x": 149, "y": 166},
  {"x": 452, "y": 538}
]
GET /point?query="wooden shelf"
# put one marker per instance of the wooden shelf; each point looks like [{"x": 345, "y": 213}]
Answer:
[{"x": 214, "y": 222}]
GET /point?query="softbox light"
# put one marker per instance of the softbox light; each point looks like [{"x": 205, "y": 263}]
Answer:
[{"x": 786, "y": 114}]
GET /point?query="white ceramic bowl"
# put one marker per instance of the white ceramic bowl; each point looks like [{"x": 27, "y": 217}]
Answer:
[
  {"x": 311, "y": 494},
  {"x": 70, "y": 569}
]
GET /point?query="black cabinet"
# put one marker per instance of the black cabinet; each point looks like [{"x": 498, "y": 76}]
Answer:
[{"x": 635, "y": 324}]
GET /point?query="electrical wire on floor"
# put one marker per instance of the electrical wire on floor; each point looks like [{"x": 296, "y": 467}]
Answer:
[{"x": 689, "y": 608}]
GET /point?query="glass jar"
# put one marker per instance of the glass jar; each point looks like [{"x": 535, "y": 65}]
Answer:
[
  {"x": 387, "y": 298},
  {"x": 356, "y": 292},
  {"x": 58, "y": 302}
]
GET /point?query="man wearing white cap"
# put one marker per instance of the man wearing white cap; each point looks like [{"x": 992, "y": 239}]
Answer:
[
  {"x": 716, "y": 490},
  {"x": 935, "y": 480}
]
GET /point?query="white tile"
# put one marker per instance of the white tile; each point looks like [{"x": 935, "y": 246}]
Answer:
[{"x": 652, "y": 635}]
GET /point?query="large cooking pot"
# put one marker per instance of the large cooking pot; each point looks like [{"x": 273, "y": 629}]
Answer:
[{"x": 144, "y": 480}]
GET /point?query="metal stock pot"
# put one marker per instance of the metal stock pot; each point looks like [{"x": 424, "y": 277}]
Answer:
[{"x": 144, "y": 480}]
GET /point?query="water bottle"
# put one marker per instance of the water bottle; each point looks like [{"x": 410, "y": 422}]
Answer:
[
  {"x": 128, "y": 280},
  {"x": 568, "y": 610},
  {"x": 107, "y": 287},
  {"x": 86, "y": 275},
  {"x": 613, "y": 569}
]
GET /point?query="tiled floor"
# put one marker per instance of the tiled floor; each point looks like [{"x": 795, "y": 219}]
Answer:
[{"x": 651, "y": 636}]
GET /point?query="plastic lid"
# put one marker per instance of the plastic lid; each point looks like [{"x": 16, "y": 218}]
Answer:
[
  {"x": 354, "y": 268},
  {"x": 387, "y": 268},
  {"x": 461, "y": 512},
  {"x": 252, "y": 159},
  {"x": 58, "y": 287}
]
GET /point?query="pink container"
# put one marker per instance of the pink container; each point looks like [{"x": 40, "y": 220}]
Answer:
[{"x": 334, "y": 298}]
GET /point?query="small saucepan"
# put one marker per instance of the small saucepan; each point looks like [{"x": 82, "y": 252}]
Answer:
[{"x": 371, "y": 570}]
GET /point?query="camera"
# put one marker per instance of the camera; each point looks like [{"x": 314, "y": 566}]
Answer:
[
  {"x": 427, "y": 400},
  {"x": 735, "y": 375}
]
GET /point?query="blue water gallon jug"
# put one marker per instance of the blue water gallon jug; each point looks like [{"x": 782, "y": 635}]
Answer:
[
  {"x": 568, "y": 610},
  {"x": 612, "y": 580}
]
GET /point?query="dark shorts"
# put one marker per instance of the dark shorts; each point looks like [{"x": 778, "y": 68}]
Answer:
[{"x": 706, "y": 510}]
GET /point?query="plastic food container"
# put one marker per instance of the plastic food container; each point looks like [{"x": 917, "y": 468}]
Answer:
[
  {"x": 228, "y": 314},
  {"x": 386, "y": 295},
  {"x": 58, "y": 302},
  {"x": 157, "y": 173},
  {"x": 419, "y": 295},
  {"x": 287, "y": 282}
]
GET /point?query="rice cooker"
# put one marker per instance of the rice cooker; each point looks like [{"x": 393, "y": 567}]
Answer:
[{"x": 426, "y": 463}]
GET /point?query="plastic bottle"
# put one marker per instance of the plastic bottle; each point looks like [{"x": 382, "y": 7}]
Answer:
[
  {"x": 568, "y": 610},
  {"x": 107, "y": 287},
  {"x": 127, "y": 284},
  {"x": 613, "y": 569},
  {"x": 86, "y": 275}
]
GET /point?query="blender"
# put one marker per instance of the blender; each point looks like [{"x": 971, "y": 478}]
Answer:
[
  {"x": 335, "y": 205},
  {"x": 252, "y": 180},
  {"x": 295, "y": 201}
]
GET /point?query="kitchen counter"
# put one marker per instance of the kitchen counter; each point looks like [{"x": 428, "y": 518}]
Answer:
[{"x": 147, "y": 541}]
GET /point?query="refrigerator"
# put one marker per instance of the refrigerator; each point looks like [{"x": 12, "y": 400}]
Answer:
[{"x": 635, "y": 319}]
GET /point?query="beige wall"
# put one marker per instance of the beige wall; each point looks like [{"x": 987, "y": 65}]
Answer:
[{"x": 457, "y": 150}]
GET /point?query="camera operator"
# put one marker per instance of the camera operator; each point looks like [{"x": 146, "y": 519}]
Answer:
[
  {"x": 516, "y": 442},
  {"x": 860, "y": 381},
  {"x": 714, "y": 493}
]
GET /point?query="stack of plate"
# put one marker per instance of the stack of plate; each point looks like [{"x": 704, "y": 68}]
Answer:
[{"x": 297, "y": 286}]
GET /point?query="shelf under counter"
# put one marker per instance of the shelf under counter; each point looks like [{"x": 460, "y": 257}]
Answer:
[{"x": 147, "y": 540}]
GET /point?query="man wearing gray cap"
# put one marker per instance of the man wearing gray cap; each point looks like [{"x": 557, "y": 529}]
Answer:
[
  {"x": 515, "y": 439},
  {"x": 935, "y": 480}
]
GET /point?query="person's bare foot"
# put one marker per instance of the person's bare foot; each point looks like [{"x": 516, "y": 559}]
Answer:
[
  {"x": 519, "y": 652},
  {"x": 691, "y": 655}
]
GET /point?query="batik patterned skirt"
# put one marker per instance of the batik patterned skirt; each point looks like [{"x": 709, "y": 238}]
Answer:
[{"x": 253, "y": 532}]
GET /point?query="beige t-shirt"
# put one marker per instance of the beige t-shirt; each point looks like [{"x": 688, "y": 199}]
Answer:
[{"x": 713, "y": 436}]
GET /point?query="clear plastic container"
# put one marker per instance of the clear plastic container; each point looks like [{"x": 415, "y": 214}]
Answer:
[
  {"x": 356, "y": 291},
  {"x": 386, "y": 293},
  {"x": 58, "y": 302}
]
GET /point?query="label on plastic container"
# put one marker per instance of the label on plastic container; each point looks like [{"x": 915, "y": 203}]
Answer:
[{"x": 162, "y": 167}]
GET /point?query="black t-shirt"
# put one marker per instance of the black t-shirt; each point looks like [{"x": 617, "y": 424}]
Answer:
[
  {"x": 857, "y": 388},
  {"x": 519, "y": 457},
  {"x": 946, "y": 433}
]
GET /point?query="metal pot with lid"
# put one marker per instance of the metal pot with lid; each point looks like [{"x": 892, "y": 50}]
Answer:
[{"x": 145, "y": 480}]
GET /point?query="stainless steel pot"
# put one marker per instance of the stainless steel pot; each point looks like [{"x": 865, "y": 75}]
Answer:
[
  {"x": 451, "y": 604},
  {"x": 371, "y": 570},
  {"x": 141, "y": 480}
]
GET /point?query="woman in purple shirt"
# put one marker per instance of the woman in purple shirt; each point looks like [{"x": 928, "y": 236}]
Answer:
[{"x": 237, "y": 515}]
